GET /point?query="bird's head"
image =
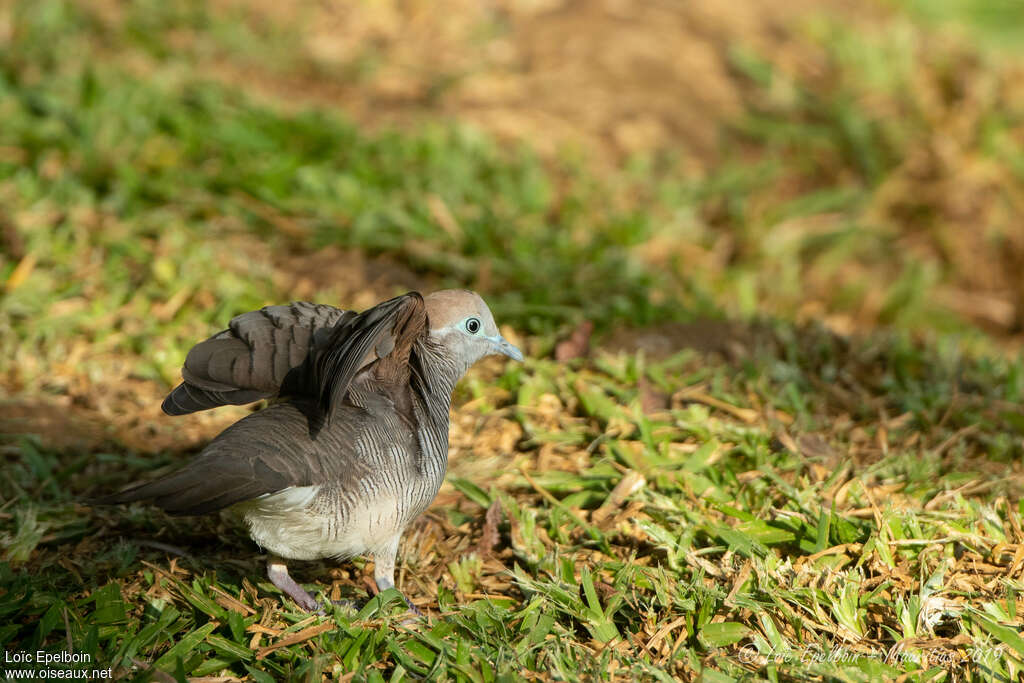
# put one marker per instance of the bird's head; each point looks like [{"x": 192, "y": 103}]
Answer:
[{"x": 461, "y": 321}]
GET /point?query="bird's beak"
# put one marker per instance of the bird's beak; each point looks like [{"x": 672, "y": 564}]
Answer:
[{"x": 501, "y": 345}]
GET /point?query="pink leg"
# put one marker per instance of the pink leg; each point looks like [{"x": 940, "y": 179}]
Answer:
[{"x": 277, "y": 571}]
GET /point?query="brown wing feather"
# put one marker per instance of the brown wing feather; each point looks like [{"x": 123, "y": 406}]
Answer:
[
  {"x": 393, "y": 350},
  {"x": 251, "y": 359},
  {"x": 389, "y": 328}
]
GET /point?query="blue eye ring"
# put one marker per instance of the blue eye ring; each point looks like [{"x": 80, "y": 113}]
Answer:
[{"x": 473, "y": 325}]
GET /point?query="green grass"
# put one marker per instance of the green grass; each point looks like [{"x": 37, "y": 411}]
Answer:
[
  {"x": 799, "y": 494},
  {"x": 742, "y": 542},
  {"x": 996, "y": 23}
]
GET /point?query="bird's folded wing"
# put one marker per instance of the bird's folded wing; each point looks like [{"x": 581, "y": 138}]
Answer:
[
  {"x": 265, "y": 453},
  {"x": 209, "y": 484},
  {"x": 250, "y": 360}
]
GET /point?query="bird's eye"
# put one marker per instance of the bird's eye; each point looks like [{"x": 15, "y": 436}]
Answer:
[{"x": 473, "y": 325}]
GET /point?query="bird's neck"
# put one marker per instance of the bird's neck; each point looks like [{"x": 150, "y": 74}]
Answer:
[
  {"x": 441, "y": 372},
  {"x": 435, "y": 374}
]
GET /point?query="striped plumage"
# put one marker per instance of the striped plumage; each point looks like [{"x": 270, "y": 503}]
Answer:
[{"x": 358, "y": 448}]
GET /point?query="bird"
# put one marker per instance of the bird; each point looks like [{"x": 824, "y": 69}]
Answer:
[{"x": 353, "y": 445}]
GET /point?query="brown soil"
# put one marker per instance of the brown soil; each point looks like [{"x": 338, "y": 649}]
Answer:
[
  {"x": 610, "y": 78},
  {"x": 358, "y": 281}
]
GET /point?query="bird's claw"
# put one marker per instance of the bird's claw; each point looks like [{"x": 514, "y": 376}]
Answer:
[
  {"x": 413, "y": 608},
  {"x": 310, "y": 605}
]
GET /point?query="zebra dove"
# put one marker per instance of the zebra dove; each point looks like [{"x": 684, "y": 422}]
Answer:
[{"x": 357, "y": 446}]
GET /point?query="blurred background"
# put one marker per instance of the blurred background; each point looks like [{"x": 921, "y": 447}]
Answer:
[{"x": 656, "y": 165}]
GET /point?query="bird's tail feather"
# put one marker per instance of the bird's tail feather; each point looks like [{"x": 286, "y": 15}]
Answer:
[
  {"x": 188, "y": 492},
  {"x": 187, "y": 398}
]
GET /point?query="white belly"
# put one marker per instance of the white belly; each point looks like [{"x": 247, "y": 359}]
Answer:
[{"x": 290, "y": 525}]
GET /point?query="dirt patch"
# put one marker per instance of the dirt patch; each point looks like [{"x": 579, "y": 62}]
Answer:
[
  {"x": 357, "y": 280},
  {"x": 607, "y": 77},
  {"x": 130, "y": 419},
  {"x": 56, "y": 425}
]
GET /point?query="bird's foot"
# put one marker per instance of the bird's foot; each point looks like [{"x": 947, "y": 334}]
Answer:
[
  {"x": 307, "y": 602},
  {"x": 384, "y": 577},
  {"x": 387, "y": 584},
  {"x": 413, "y": 616}
]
